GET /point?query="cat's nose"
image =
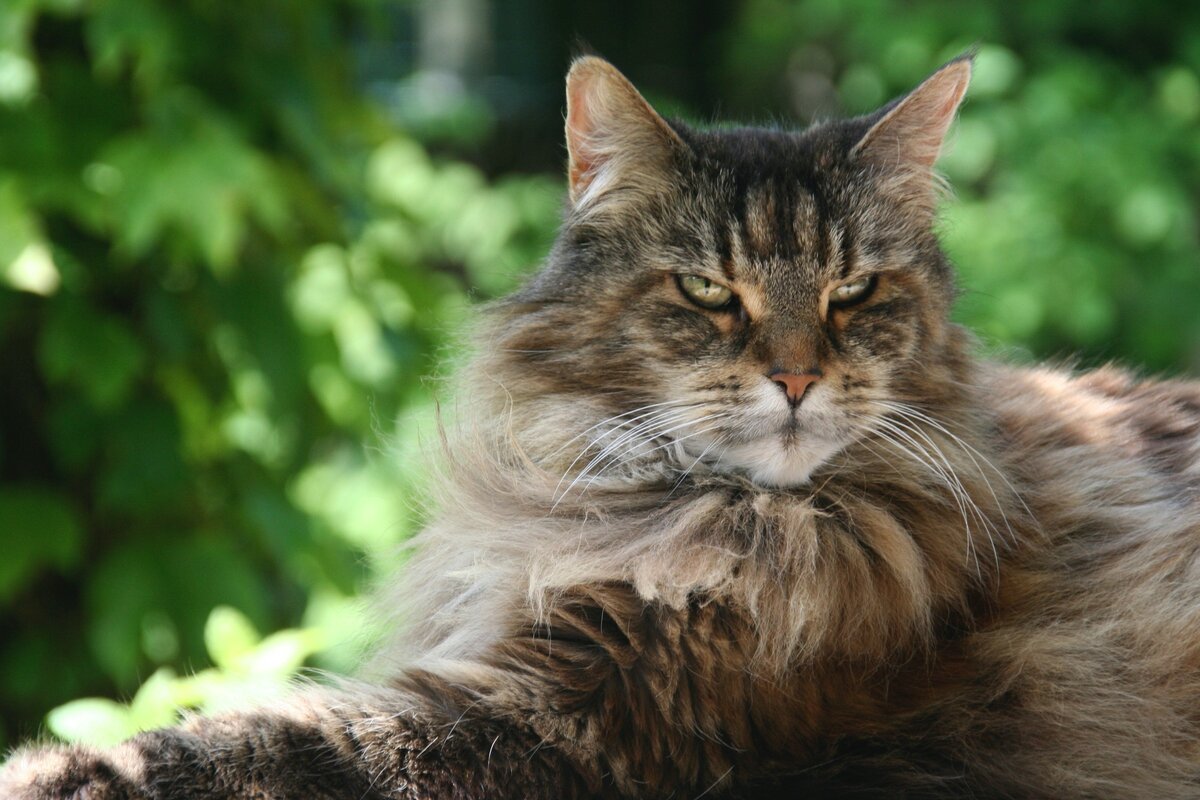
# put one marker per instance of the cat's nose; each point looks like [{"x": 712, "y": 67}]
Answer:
[{"x": 794, "y": 384}]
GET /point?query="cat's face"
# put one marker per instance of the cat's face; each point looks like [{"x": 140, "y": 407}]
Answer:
[{"x": 744, "y": 298}]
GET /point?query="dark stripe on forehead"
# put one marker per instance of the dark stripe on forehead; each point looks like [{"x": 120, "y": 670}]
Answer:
[
  {"x": 723, "y": 247},
  {"x": 785, "y": 222},
  {"x": 823, "y": 236},
  {"x": 818, "y": 217},
  {"x": 781, "y": 215},
  {"x": 849, "y": 249},
  {"x": 727, "y": 268},
  {"x": 766, "y": 221}
]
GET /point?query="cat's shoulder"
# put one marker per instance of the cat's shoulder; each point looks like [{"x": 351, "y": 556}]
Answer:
[{"x": 1061, "y": 405}]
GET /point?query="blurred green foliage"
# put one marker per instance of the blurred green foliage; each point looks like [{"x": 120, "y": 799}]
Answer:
[
  {"x": 248, "y": 669},
  {"x": 228, "y": 272},
  {"x": 226, "y": 276}
]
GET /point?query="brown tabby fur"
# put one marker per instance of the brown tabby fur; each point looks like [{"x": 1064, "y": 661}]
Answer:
[{"x": 986, "y": 582}]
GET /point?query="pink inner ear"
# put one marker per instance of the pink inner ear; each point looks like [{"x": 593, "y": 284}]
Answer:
[
  {"x": 942, "y": 117},
  {"x": 914, "y": 130},
  {"x": 613, "y": 135},
  {"x": 579, "y": 126}
]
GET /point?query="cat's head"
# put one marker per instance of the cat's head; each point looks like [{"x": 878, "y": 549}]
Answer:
[{"x": 745, "y": 297}]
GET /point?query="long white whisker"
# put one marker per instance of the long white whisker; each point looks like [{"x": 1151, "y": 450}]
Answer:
[
  {"x": 657, "y": 420},
  {"x": 715, "y": 442},
  {"x": 643, "y": 429},
  {"x": 628, "y": 450},
  {"x": 955, "y": 489},
  {"x": 640, "y": 411},
  {"x": 624, "y": 428},
  {"x": 629, "y": 455},
  {"x": 989, "y": 529},
  {"x": 641, "y": 417},
  {"x": 971, "y": 451}
]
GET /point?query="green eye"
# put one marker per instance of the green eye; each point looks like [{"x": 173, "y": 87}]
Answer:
[
  {"x": 704, "y": 292},
  {"x": 853, "y": 292}
]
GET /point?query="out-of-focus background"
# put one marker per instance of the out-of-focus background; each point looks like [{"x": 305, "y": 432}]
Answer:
[{"x": 236, "y": 240}]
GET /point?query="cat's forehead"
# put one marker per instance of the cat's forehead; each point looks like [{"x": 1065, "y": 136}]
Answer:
[{"x": 774, "y": 204}]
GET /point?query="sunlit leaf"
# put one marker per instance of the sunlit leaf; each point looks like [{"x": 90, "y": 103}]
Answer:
[
  {"x": 95, "y": 721},
  {"x": 157, "y": 701},
  {"x": 229, "y": 636}
]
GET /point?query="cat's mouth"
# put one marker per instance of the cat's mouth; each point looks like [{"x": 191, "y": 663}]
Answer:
[
  {"x": 772, "y": 443},
  {"x": 773, "y": 455},
  {"x": 777, "y": 462}
]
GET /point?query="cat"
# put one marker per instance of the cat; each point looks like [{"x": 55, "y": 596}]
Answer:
[{"x": 730, "y": 508}]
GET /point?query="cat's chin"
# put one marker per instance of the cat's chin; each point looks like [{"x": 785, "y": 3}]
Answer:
[{"x": 776, "y": 464}]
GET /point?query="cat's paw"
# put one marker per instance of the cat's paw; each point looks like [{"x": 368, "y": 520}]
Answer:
[{"x": 65, "y": 773}]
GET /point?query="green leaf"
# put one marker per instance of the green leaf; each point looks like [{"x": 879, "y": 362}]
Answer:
[
  {"x": 96, "y": 721},
  {"x": 38, "y": 529},
  {"x": 156, "y": 704},
  {"x": 195, "y": 181},
  {"x": 95, "y": 352},
  {"x": 143, "y": 468},
  {"x": 18, "y": 228},
  {"x": 122, "y": 588},
  {"x": 229, "y": 636},
  {"x": 25, "y": 260},
  {"x": 137, "y": 33},
  {"x": 282, "y": 653},
  {"x": 183, "y": 578}
]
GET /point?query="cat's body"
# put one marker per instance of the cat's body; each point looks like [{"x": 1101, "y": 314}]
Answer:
[{"x": 732, "y": 510}]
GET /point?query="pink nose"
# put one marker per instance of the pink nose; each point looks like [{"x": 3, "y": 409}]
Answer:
[{"x": 795, "y": 385}]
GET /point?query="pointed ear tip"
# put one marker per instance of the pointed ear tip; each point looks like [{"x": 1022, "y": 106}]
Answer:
[
  {"x": 961, "y": 67},
  {"x": 586, "y": 66}
]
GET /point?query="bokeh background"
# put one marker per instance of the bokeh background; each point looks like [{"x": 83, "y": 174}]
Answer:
[{"x": 237, "y": 239}]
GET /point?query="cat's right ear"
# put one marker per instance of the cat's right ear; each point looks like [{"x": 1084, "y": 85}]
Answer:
[{"x": 615, "y": 140}]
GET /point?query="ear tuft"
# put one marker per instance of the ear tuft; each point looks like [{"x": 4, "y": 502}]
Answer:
[{"x": 614, "y": 138}]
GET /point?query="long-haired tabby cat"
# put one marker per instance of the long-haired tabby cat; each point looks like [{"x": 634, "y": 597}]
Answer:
[{"x": 732, "y": 510}]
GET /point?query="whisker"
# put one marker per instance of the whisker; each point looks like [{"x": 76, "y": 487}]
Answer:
[
  {"x": 655, "y": 421},
  {"x": 950, "y": 481},
  {"x": 624, "y": 459},
  {"x": 720, "y": 440},
  {"x": 987, "y": 525},
  {"x": 971, "y": 451},
  {"x": 635, "y": 414},
  {"x": 649, "y": 429}
]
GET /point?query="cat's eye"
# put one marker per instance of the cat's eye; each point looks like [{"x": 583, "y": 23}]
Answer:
[
  {"x": 705, "y": 293},
  {"x": 853, "y": 292}
]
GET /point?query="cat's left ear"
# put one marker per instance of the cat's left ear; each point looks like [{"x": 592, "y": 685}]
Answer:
[{"x": 908, "y": 135}]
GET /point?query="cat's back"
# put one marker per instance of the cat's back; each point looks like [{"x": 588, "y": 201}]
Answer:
[
  {"x": 1109, "y": 465},
  {"x": 1103, "y": 436}
]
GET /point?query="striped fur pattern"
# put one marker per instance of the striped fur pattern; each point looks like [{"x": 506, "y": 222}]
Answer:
[{"x": 649, "y": 575}]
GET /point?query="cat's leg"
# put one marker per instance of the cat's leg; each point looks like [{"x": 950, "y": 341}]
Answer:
[
  {"x": 606, "y": 696},
  {"x": 322, "y": 746}
]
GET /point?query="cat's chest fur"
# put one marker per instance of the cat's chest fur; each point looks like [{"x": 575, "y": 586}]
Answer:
[{"x": 738, "y": 627}]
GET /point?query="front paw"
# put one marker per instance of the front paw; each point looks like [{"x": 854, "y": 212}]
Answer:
[{"x": 66, "y": 773}]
